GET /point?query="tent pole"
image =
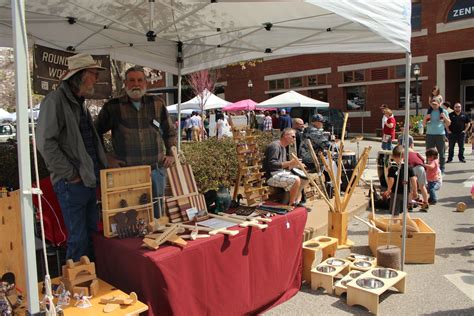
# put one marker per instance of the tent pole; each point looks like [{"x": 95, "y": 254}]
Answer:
[
  {"x": 406, "y": 145},
  {"x": 179, "y": 106},
  {"x": 24, "y": 169}
]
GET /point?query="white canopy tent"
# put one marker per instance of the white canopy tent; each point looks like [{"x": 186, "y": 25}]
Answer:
[
  {"x": 5, "y": 116},
  {"x": 183, "y": 36},
  {"x": 292, "y": 99},
  {"x": 208, "y": 99}
]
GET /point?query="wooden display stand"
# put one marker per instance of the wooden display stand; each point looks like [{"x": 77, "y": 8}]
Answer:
[
  {"x": 340, "y": 286},
  {"x": 80, "y": 277},
  {"x": 369, "y": 298},
  {"x": 326, "y": 279},
  {"x": 420, "y": 246},
  {"x": 249, "y": 175},
  {"x": 362, "y": 265},
  {"x": 337, "y": 228},
  {"x": 11, "y": 241},
  {"x": 323, "y": 246},
  {"x": 128, "y": 184}
]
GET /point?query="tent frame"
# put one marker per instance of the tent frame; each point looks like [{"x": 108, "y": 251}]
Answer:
[{"x": 26, "y": 190}]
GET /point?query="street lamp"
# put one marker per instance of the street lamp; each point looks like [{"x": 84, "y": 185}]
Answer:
[
  {"x": 416, "y": 73},
  {"x": 250, "y": 86}
]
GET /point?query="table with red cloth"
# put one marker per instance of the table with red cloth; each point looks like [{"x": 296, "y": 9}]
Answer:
[{"x": 221, "y": 275}]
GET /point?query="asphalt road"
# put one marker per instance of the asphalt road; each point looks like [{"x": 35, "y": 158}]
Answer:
[{"x": 443, "y": 288}]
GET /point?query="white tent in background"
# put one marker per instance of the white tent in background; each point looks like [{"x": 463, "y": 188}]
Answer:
[
  {"x": 292, "y": 99},
  {"x": 183, "y": 36},
  {"x": 210, "y": 101}
]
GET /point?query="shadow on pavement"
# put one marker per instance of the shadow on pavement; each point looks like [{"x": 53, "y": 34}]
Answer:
[
  {"x": 463, "y": 251},
  {"x": 457, "y": 312}
]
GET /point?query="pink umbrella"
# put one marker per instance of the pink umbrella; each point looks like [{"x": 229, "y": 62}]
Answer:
[{"x": 245, "y": 105}]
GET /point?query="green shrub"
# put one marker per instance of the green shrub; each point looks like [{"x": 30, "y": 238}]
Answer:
[
  {"x": 214, "y": 162},
  {"x": 9, "y": 176}
]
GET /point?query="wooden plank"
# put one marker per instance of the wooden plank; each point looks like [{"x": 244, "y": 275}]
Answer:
[{"x": 11, "y": 241}]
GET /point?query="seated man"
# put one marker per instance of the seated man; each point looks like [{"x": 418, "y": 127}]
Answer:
[{"x": 277, "y": 167}]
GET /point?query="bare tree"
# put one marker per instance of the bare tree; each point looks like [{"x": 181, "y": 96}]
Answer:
[{"x": 201, "y": 81}]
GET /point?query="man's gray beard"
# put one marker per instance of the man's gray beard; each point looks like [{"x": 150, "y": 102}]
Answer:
[
  {"x": 135, "y": 93},
  {"x": 88, "y": 93}
]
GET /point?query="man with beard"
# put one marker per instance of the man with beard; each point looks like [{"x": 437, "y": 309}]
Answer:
[
  {"x": 72, "y": 151},
  {"x": 142, "y": 132}
]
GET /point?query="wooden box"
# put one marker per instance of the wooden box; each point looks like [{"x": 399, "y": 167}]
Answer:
[
  {"x": 420, "y": 247},
  {"x": 127, "y": 184}
]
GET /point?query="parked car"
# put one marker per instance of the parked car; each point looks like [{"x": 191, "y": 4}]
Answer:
[{"x": 7, "y": 132}]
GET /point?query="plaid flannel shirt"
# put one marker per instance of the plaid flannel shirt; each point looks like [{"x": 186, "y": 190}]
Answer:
[{"x": 134, "y": 139}]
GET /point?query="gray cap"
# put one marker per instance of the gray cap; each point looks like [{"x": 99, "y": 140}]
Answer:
[{"x": 317, "y": 118}]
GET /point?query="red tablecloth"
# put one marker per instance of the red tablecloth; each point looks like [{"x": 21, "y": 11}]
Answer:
[{"x": 221, "y": 275}]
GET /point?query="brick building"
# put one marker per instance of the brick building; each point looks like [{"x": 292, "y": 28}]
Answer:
[{"x": 442, "y": 46}]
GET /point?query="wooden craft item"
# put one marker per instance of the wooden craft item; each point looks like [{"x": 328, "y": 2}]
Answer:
[
  {"x": 180, "y": 176},
  {"x": 369, "y": 298},
  {"x": 325, "y": 279},
  {"x": 340, "y": 286},
  {"x": 257, "y": 218},
  {"x": 212, "y": 231},
  {"x": 341, "y": 151},
  {"x": 318, "y": 169},
  {"x": 315, "y": 251},
  {"x": 242, "y": 223},
  {"x": 170, "y": 235},
  {"x": 122, "y": 190},
  {"x": 302, "y": 167},
  {"x": 121, "y": 300},
  {"x": 80, "y": 277}
]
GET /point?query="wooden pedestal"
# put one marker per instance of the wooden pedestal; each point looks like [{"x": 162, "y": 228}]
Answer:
[
  {"x": 337, "y": 228},
  {"x": 420, "y": 246},
  {"x": 321, "y": 248},
  {"x": 326, "y": 279},
  {"x": 369, "y": 298}
]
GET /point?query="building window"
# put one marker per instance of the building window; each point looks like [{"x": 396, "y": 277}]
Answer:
[
  {"x": 355, "y": 97},
  {"x": 416, "y": 16},
  {"x": 319, "y": 94},
  {"x": 296, "y": 82},
  {"x": 276, "y": 84},
  {"x": 316, "y": 80},
  {"x": 401, "y": 94},
  {"x": 354, "y": 76},
  {"x": 400, "y": 71}
]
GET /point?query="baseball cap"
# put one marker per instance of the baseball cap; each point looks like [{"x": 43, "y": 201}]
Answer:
[{"x": 317, "y": 118}]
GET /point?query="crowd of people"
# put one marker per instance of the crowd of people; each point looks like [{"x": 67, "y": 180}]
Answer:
[{"x": 443, "y": 124}]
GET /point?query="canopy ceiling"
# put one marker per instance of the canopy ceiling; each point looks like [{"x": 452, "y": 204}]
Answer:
[{"x": 213, "y": 33}]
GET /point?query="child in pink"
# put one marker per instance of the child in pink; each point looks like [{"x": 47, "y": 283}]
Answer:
[
  {"x": 433, "y": 174},
  {"x": 417, "y": 162}
]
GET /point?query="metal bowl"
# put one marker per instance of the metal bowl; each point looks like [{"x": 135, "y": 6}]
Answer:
[
  {"x": 324, "y": 239},
  {"x": 363, "y": 264},
  {"x": 355, "y": 274},
  {"x": 369, "y": 283},
  {"x": 336, "y": 262},
  {"x": 312, "y": 245},
  {"x": 356, "y": 256},
  {"x": 326, "y": 269},
  {"x": 385, "y": 273}
]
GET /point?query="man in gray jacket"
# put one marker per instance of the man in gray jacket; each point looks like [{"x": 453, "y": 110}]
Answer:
[{"x": 73, "y": 152}]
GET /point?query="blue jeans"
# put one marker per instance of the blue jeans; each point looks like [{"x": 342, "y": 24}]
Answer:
[
  {"x": 387, "y": 145},
  {"x": 79, "y": 207},
  {"x": 433, "y": 186},
  {"x": 158, "y": 181}
]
